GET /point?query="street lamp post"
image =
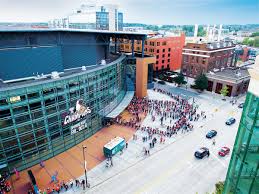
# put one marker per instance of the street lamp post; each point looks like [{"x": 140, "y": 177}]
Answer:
[{"x": 84, "y": 147}]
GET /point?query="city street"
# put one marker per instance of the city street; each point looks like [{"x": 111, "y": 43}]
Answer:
[{"x": 172, "y": 167}]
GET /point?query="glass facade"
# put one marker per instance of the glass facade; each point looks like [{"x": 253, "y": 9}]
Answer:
[
  {"x": 120, "y": 21},
  {"x": 243, "y": 171},
  {"x": 43, "y": 119},
  {"x": 102, "y": 20}
]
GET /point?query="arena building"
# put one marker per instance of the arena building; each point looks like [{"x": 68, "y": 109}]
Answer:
[{"x": 57, "y": 88}]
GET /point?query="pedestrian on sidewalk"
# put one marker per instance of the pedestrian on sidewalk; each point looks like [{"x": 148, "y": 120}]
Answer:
[
  {"x": 77, "y": 183},
  {"x": 42, "y": 165},
  {"x": 214, "y": 142},
  {"x": 111, "y": 161},
  {"x": 83, "y": 183},
  {"x": 126, "y": 145}
]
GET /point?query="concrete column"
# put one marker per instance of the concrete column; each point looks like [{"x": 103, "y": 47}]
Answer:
[
  {"x": 142, "y": 75},
  {"x": 132, "y": 47}
]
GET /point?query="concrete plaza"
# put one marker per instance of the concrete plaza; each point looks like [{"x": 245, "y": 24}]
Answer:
[{"x": 171, "y": 167}]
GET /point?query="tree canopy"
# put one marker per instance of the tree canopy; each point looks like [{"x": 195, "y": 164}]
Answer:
[
  {"x": 201, "y": 82},
  {"x": 224, "y": 91},
  {"x": 179, "y": 79}
]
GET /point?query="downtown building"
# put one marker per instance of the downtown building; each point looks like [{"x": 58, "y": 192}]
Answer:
[
  {"x": 166, "y": 49},
  {"x": 58, "y": 87},
  {"x": 92, "y": 16},
  {"x": 243, "y": 170},
  {"x": 201, "y": 58}
]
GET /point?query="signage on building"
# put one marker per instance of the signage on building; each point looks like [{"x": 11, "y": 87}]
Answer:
[
  {"x": 78, "y": 127},
  {"x": 76, "y": 113}
]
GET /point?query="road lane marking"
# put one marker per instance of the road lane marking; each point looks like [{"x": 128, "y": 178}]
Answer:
[{"x": 161, "y": 177}]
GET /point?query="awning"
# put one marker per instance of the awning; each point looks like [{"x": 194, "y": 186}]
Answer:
[{"x": 122, "y": 106}]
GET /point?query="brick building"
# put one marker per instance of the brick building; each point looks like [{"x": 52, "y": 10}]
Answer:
[
  {"x": 201, "y": 58},
  {"x": 167, "y": 50},
  {"x": 237, "y": 81}
]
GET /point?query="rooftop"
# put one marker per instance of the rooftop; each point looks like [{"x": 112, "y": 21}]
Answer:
[
  {"x": 70, "y": 30},
  {"x": 62, "y": 75},
  {"x": 210, "y": 45},
  {"x": 230, "y": 74}
]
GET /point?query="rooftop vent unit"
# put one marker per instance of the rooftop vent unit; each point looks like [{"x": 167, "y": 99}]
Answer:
[
  {"x": 83, "y": 68},
  {"x": 103, "y": 62},
  {"x": 211, "y": 73},
  {"x": 218, "y": 45},
  {"x": 222, "y": 68},
  {"x": 229, "y": 44},
  {"x": 54, "y": 75}
]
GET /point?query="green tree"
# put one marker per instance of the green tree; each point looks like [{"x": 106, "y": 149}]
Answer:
[
  {"x": 219, "y": 187},
  {"x": 201, "y": 82},
  {"x": 256, "y": 42},
  {"x": 255, "y": 34},
  {"x": 251, "y": 42},
  {"x": 245, "y": 41},
  {"x": 201, "y": 31},
  {"x": 179, "y": 79},
  {"x": 224, "y": 91}
]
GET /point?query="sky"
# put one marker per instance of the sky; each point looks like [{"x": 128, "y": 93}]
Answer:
[{"x": 159, "y": 12}]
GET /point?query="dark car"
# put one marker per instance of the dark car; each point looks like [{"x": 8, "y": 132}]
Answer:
[
  {"x": 224, "y": 151},
  {"x": 202, "y": 152},
  {"x": 211, "y": 134},
  {"x": 241, "y": 105},
  {"x": 230, "y": 121}
]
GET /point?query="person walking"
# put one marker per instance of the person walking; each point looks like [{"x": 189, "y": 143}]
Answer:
[
  {"x": 214, "y": 142},
  {"x": 111, "y": 161},
  {"x": 83, "y": 183},
  {"x": 126, "y": 145},
  {"x": 42, "y": 164}
]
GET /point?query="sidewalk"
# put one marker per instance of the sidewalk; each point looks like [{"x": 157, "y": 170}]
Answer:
[
  {"x": 70, "y": 164},
  {"x": 134, "y": 153}
]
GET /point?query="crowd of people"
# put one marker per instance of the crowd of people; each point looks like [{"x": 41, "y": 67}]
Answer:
[
  {"x": 174, "y": 116},
  {"x": 5, "y": 185},
  {"x": 62, "y": 186}
]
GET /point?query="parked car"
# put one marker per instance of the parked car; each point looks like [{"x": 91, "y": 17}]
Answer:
[
  {"x": 224, "y": 151},
  {"x": 211, "y": 134},
  {"x": 203, "y": 151},
  {"x": 230, "y": 121},
  {"x": 241, "y": 105}
]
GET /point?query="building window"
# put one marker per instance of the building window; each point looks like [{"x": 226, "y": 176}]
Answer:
[
  {"x": 157, "y": 56},
  {"x": 163, "y": 61},
  {"x": 158, "y": 43},
  {"x": 169, "y": 54},
  {"x": 145, "y": 42},
  {"x": 163, "y": 67},
  {"x": 164, "y": 43},
  {"x": 169, "y": 49},
  {"x": 152, "y": 44},
  {"x": 168, "y": 66},
  {"x": 156, "y": 68},
  {"x": 163, "y": 50},
  {"x": 163, "y": 55},
  {"x": 156, "y": 62},
  {"x": 168, "y": 60},
  {"x": 157, "y": 51}
]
